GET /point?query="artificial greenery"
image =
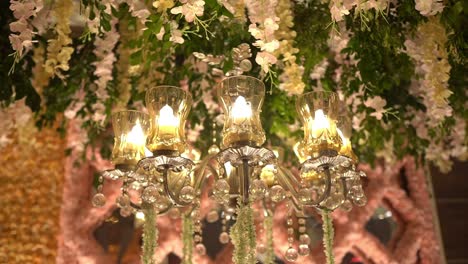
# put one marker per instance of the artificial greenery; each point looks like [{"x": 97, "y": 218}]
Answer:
[
  {"x": 187, "y": 238},
  {"x": 150, "y": 235},
  {"x": 270, "y": 251},
  {"x": 243, "y": 236},
  {"x": 328, "y": 235},
  {"x": 145, "y": 59}
]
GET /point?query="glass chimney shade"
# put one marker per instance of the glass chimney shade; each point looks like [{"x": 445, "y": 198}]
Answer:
[
  {"x": 241, "y": 98},
  {"x": 168, "y": 107},
  {"x": 318, "y": 112},
  {"x": 130, "y": 132},
  {"x": 344, "y": 130}
]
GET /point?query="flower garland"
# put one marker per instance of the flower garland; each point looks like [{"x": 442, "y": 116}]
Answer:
[
  {"x": 427, "y": 49},
  {"x": 291, "y": 77},
  {"x": 59, "y": 50},
  {"x": 138, "y": 9},
  {"x": 21, "y": 38},
  {"x": 341, "y": 8},
  {"x": 263, "y": 26},
  {"x": 429, "y": 7},
  {"x": 190, "y": 9},
  {"x": 123, "y": 66},
  {"x": 104, "y": 47}
]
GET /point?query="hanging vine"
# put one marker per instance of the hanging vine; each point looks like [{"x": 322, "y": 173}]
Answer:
[
  {"x": 187, "y": 238},
  {"x": 150, "y": 235},
  {"x": 243, "y": 236},
  {"x": 328, "y": 234}
]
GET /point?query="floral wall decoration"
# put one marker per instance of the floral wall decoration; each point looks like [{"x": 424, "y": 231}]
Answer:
[{"x": 399, "y": 64}]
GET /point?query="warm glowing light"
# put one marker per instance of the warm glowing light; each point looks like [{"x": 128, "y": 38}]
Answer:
[
  {"x": 167, "y": 121},
  {"x": 299, "y": 154},
  {"x": 344, "y": 140},
  {"x": 148, "y": 153},
  {"x": 346, "y": 148},
  {"x": 140, "y": 215},
  {"x": 241, "y": 110},
  {"x": 228, "y": 168},
  {"x": 136, "y": 137},
  {"x": 320, "y": 124}
]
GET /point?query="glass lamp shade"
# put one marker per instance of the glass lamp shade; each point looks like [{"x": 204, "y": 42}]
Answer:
[
  {"x": 168, "y": 107},
  {"x": 344, "y": 130},
  {"x": 318, "y": 112},
  {"x": 130, "y": 131},
  {"x": 241, "y": 98}
]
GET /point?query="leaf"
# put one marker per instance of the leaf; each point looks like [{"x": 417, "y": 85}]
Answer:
[{"x": 135, "y": 58}]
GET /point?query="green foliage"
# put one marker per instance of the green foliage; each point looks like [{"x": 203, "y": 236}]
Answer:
[
  {"x": 376, "y": 44},
  {"x": 150, "y": 235},
  {"x": 328, "y": 235},
  {"x": 187, "y": 238},
  {"x": 270, "y": 251},
  {"x": 243, "y": 236}
]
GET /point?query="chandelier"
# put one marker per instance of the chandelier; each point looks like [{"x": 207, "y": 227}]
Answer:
[{"x": 157, "y": 174}]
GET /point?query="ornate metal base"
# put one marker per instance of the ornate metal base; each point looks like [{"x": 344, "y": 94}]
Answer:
[
  {"x": 337, "y": 179},
  {"x": 164, "y": 165},
  {"x": 249, "y": 161}
]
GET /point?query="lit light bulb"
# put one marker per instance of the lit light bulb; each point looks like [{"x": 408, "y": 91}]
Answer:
[
  {"x": 136, "y": 137},
  {"x": 344, "y": 140},
  {"x": 167, "y": 121},
  {"x": 148, "y": 153},
  {"x": 228, "y": 168},
  {"x": 241, "y": 110},
  {"x": 346, "y": 148},
  {"x": 140, "y": 216},
  {"x": 320, "y": 124}
]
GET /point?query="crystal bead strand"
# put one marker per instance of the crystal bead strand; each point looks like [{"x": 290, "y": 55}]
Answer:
[
  {"x": 261, "y": 248},
  {"x": 291, "y": 254},
  {"x": 99, "y": 200},
  {"x": 224, "y": 236},
  {"x": 198, "y": 234},
  {"x": 304, "y": 239}
]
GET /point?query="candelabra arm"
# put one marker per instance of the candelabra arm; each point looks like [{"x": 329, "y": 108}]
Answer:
[
  {"x": 327, "y": 191},
  {"x": 200, "y": 171},
  {"x": 288, "y": 184},
  {"x": 169, "y": 193}
]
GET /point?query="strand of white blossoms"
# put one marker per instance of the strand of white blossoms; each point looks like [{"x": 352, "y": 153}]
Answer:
[
  {"x": 21, "y": 38},
  {"x": 263, "y": 26},
  {"x": 291, "y": 77},
  {"x": 427, "y": 49},
  {"x": 341, "y": 8}
]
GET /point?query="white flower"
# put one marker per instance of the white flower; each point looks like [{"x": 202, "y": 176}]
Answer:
[
  {"x": 161, "y": 33},
  {"x": 255, "y": 31},
  {"x": 176, "y": 36},
  {"x": 265, "y": 59},
  {"x": 268, "y": 46},
  {"x": 190, "y": 10},
  {"x": 378, "y": 104},
  {"x": 429, "y": 7},
  {"x": 337, "y": 13}
]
